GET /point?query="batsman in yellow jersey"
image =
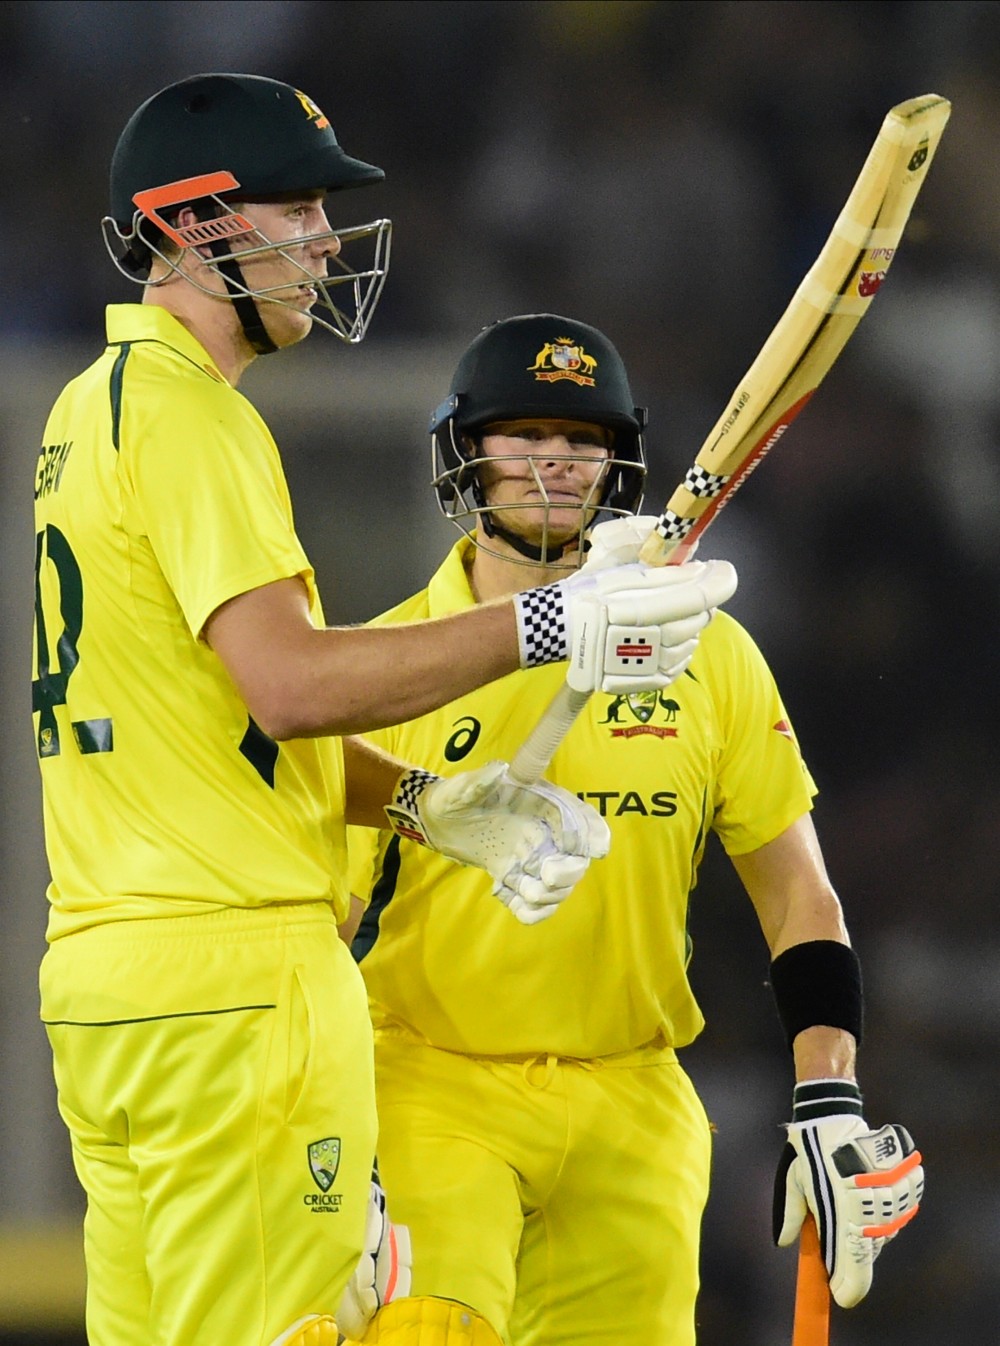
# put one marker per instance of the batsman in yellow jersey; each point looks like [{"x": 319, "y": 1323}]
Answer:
[
  {"x": 196, "y": 728},
  {"x": 538, "y": 1134}
]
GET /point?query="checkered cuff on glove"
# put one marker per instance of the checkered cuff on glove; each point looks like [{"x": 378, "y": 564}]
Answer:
[
  {"x": 541, "y": 626},
  {"x": 404, "y": 811}
]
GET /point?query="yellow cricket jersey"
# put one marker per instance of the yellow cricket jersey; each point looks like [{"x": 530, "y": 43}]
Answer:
[
  {"x": 159, "y": 495},
  {"x": 607, "y": 973}
]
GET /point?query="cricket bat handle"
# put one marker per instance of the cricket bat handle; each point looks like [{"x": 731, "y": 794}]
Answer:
[
  {"x": 812, "y": 1292},
  {"x": 535, "y": 753}
]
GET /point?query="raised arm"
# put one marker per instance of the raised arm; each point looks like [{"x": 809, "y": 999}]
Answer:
[{"x": 299, "y": 681}]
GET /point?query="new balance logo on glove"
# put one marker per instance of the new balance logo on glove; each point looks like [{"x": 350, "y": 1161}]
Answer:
[{"x": 860, "y": 1186}]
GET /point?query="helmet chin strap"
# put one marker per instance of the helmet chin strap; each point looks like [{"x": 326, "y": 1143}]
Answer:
[
  {"x": 244, "y": 303},
  {"x": 491, "y": 528},
  {"x": 527, "y": 549}
]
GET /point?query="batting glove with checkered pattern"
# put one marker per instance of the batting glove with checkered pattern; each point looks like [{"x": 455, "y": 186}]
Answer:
[
  {"x": 623, "y": 628},
  {"x": 536, "y": 841},
  {"x": 861, "y": 1186}
]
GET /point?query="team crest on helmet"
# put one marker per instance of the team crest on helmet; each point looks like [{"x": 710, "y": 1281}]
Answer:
[
  {"x": 564, "y": 359},
  {"x": 312, "y": 111},
  {"x": 324, "y": 1160},
  {"x": 643, "y": 707}
]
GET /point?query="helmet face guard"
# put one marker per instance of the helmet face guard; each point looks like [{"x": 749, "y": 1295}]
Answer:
[
  {"x": 536, "y": 367},
  {"x": 357, "y": 283},
  {"x": 212, "y": 141}
]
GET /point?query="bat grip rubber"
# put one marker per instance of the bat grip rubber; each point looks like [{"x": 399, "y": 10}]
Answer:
[
  {"x": 536, "y": 752},
  {"x": 812, "y": 1292}
]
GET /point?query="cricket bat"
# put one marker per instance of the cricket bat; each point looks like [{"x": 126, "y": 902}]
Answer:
[{"x": 829, "y": 303}]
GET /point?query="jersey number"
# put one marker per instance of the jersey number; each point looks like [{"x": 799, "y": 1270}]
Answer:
[{"x": 49, "y": 689}]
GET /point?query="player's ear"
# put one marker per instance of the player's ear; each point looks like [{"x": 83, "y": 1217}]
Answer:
[{"x": 189, "y": 215}]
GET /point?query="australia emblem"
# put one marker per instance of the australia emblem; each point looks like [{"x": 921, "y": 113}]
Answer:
[
  {"x": 564, "y": 359},
  {"x": 654, "y": 712}
]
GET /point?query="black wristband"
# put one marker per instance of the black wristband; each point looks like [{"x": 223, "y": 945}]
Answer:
[{"x": 818, "y": 982}]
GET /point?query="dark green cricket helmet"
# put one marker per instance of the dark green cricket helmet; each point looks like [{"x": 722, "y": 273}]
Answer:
[
  {"x": 257, "y": 138},
  {"x": 536, "y": 365},
  {"x": 269, "y": 136}
]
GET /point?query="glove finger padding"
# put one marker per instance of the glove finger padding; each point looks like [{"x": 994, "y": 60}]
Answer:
[
  {"x": 383, "y": 1272},
  {"x": 651, "y": 595},
  {"x": 642, "y": 637},
  {"x": 532, "y": 898},
  {"x": 618, "y": 541},
  {"x": 861, "y": 1187},
  {"x": 583, "y": 831}
]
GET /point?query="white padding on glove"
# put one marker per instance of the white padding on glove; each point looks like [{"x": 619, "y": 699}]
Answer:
[
  {"x": 535, "y": 841},
  {"x": 861, "y": 1187},
  {"x": 637, "y": 628},
  {"x": 623, "y": 628},
  {"x": 618, "y": 542},
  {"x": 382, "y": 1273}
]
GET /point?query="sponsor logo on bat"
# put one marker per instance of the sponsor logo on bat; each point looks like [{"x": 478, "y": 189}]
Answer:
[
  {"x": 731, "y": 419},
  {"x": 753, "y": 463},
  {"x": 869, "y": 282}
]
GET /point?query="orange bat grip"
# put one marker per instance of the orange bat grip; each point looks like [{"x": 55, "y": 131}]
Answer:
[{"x": 812, "y": 1292}]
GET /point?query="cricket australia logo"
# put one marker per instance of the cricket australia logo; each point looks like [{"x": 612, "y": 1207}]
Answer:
[
  {"x": 563, "y": 359},
  {"x": 324, "y": 1160},
  {"x": 644, "y": 708}
]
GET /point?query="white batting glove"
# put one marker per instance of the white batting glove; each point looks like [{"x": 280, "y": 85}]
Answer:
[
  {"x": 861, "y": 1186},
  {"x": 617, "y": 542},
  {"x": 382, "y": 1273},
  {"x": 536, "y": 841},
  {"x": 624, "y": 628}
]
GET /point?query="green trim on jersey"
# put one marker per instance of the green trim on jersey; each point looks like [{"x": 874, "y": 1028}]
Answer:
[
  {"x": 117, "y": 377},
  {"x": 381, "y": 895},
  {"x": 608, "y": 972},
  {"x": 159, "y": 496}
]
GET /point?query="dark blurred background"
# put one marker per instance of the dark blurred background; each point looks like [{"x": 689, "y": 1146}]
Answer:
[{"x": 666, "y": 171}]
